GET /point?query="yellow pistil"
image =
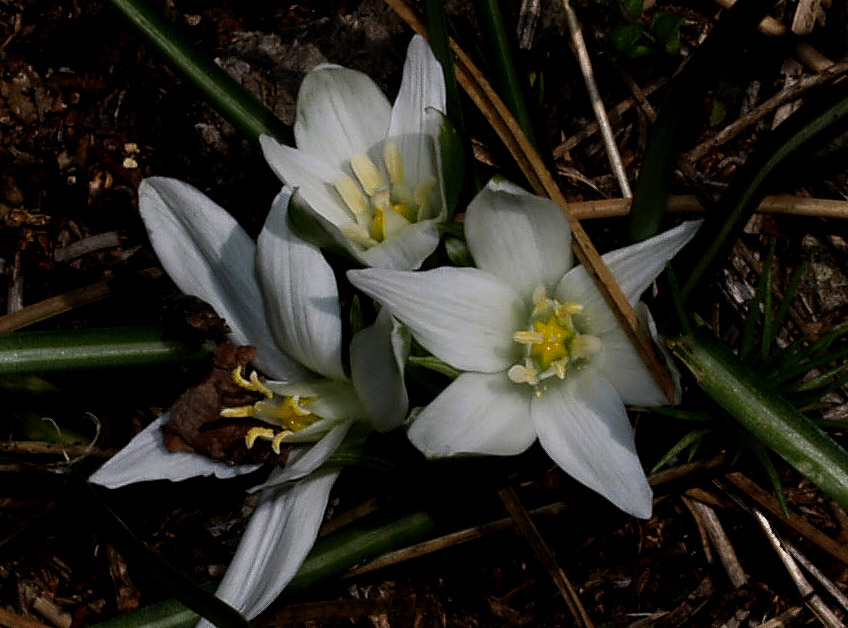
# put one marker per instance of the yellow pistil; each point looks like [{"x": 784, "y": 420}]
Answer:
[
  {"x": 376, "y": 231},
  {"x": 553, "y": 344}
]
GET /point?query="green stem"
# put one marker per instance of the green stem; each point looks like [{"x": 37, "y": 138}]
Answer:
[
  {"x": 500, "y": 45},
  {"x": 764, "y": 413},
  {"x": 235, "y": 103},
  {"x": 43, "y": 351},
  {"x": 331, "y": 557}
]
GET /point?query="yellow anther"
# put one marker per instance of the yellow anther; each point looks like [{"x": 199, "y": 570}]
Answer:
[
  {"x": 520, "y": 374},
  {"x": 368, "y": 174},
  {"x": 394, "y": 162},
  {"x": 527, "y": 337},
  {"x": 278, "y": 440},
  {"x": 239, "y": 380},
  {"x": 258, "y": 386},
  {"x": 567, "y": 309},
  {"x": 358, "y": 234},
  {"x": 297, "y": 405},
  {"x": 561, "y": 368},
  {"x": 382, "y": 200},
  {"x": 585, "y": 346},
  {"x": 540, "y": 297},
  {"x": 351, "y": 194},
  {"x": 265, "y": 433},
  {"x": 238, "y": 412},
  {"x": 376, "y": 231}
]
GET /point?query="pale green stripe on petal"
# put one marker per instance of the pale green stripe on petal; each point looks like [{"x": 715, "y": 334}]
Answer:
[
  {"x": 478, "y": 413},
  {"x": 521, "y": 238},
  {"x": 340, "y": 113},
  {"x": 583, "y": 427},
  {"x": 463, "y": 316},
  {"x": 300, "y": 294},
  {"x": 208, "y": 255}
]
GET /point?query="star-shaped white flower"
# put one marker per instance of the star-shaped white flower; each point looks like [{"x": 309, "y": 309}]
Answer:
[
  {"x": 279, "y": 295},
  {"x": 369, "y": 171},
  {"x": 541, "y": 353}
]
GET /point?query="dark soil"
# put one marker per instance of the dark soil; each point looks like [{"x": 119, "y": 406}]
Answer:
[{"x": 87, "y": 111}]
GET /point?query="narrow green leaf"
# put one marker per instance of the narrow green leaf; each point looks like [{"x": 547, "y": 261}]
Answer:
[
  {"x": 452, "y": 153},
  {"x": 43, "y": 351},
  {"x": 749, "y": 332},
  {"x": 764, "y": 459},
  {"x": 818, "y": 122},
  {"x": 434, "y": 364},
  {"x": 331, "y": 557},
  {"x": 780, "y": 317},
  {"x": 813, "y": 363},
  {"x": 768, "y": 316},
  {"x": 683, "y": 443},
  {"x": 681, "y": 113},
  {"x": 235, "y": 103},
  {"x": 767, "y": 415},
  {"x": 500, "y": 44}
]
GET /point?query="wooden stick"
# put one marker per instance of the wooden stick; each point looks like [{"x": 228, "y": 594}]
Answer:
[{"x": 53, "y": 306}]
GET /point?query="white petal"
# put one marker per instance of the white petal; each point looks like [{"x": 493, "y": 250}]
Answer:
[
  {"x": 422, "y": 86},
  {"x": 208, "y": 255},
  {"x": 301, "y": 297},
  {"x": 146, "y": 458},
  {"x": 463, "y": 316},
  {"x": 340, "y": 113},
  {"x": 278, "y": 538},
  {"x": 478, "y": 413},
  {"x": 634, "y": 268},
  {"x": 310, "y": 176},
  {"x": 404, "y": 250},
  {"x": 619, "y": 362},
  {"x": 582, "y": 425},
  {"x": 523, "y": 239},
  {"x": 377, "y": 357},
  {"x": 304, "y": 460}
]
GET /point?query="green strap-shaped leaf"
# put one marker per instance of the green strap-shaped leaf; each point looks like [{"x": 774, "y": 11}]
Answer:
[
  {"x": 767, "y": 415},
  {"x": 235, "y": 103}
]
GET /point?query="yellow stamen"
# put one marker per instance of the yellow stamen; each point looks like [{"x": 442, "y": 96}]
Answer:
[
  {"x": 523, "y": 375},
  {"x": 394, "y": 162},
  {"x": 585, "y": 346},
  {"x": 359, "y": 234},
  {"x": 368, "y": 174},
  {"x": 560, "y": 367},
  {"x": 258, "y": 386},
  {"x": 527, "y": 337},
  {"x": 265, "y": 433},
  {"x": 351, "y": 194},
  {"x": 278, "y": 439},
  {"x": 238, "y": 412},
  {"x": 540, "y": 297},
  {"x": 422, "y": 194}
]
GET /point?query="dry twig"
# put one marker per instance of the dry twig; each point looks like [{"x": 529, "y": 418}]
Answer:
[{"x": 54, "y": 306}]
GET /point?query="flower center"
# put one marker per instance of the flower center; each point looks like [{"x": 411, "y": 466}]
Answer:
[
  {"x": 287, "y": 413},
  {"x": 554, "y": 344},
  {"x": 380, "y": 199}
]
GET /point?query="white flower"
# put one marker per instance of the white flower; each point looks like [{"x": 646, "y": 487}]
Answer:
[
  {"x": 542, "y": 355},
  {"x": 368, "y": 171},
  {"x": 279, "y": 295}
]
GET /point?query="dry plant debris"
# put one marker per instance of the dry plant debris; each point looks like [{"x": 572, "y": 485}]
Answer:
[{"x": 86, "y": 112}]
